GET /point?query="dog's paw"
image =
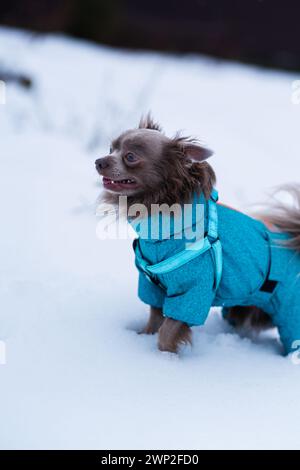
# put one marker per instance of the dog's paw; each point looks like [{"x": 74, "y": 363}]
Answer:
[
  {"x": 173, "y": 334},
  {"x": 155, "y": 321},
  {"x": 168, "y": 347},
  {"x": 148, "y": 330}
]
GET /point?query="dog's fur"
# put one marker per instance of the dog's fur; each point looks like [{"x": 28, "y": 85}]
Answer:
[
  {"x": 286, "y": 218},
  {"x": 167, "y": 171}
]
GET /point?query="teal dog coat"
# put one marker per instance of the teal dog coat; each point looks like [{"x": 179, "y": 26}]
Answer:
[{"x": 251, "y": 267}]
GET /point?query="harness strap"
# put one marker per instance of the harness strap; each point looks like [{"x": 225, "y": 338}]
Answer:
[
  {"x": 275, "y": 272},
  {"x": 210, "y": 242},
  {"x": 212, "y": 229},
  {"x": 218, "y": 262}
]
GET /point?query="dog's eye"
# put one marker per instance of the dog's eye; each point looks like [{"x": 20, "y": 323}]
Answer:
[{"x": 130, "y": 158}]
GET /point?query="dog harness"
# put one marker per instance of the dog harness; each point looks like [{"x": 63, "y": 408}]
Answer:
[
  {"x": 211, "y": 242},
  {"x": 238, "y": 262}
]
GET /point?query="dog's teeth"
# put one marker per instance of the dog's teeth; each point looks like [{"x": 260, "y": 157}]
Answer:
[{"x": 124, "y": 181}]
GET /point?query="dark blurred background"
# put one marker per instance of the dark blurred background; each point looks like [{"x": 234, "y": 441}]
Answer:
[{"x": 264, "y": 32}]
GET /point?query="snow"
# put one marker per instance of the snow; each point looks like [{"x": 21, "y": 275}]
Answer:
[{"x": 77, "y": 375}]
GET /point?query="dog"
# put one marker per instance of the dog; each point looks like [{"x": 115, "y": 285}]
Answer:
[{"x": 259, "y": 284}]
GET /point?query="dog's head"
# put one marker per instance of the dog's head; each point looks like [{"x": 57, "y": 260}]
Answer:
[{"x": 149, "y": 167}]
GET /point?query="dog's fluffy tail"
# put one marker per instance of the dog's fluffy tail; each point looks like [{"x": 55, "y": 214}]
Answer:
[{"x": 287, "y": 217}]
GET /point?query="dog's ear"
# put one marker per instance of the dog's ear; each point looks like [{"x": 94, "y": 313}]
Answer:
[
  {"x": 196, "y": 152},
  {"x": 147, "y": 122},
  {"x": 192, "y": 148}
]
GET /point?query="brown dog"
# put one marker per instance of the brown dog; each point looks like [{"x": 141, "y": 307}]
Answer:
[{"x": 150, "y": 168}]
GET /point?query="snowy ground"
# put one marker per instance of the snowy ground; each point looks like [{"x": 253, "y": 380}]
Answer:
[{"x": 77, "y": 374}]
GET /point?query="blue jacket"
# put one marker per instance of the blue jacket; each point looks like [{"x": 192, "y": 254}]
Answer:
[{"x": 257, "y": 270}]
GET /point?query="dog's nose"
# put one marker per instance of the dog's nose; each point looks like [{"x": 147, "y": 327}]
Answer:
[{"x": 102, "y": 163}]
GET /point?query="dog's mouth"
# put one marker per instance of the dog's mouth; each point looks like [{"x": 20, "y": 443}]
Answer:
[{"x": 117, "y": 185}]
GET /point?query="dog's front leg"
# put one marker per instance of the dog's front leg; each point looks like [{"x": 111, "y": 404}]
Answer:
[
  {"x": 172, "y": 334},
  {"x": 155, "y": 321}
]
